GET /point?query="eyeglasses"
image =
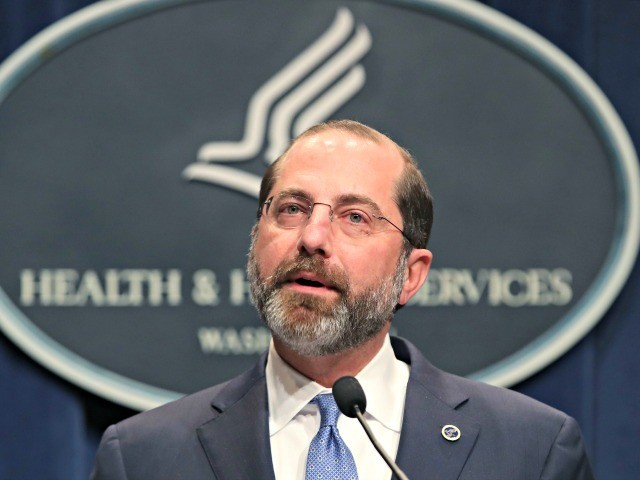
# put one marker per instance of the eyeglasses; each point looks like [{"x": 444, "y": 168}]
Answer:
[{"x": 354, "y": 220}]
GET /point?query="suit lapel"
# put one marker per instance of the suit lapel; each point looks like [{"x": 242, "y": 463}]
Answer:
[
  {"x": 236, "y": 440},
  {"x": 423, "y": 451},
  {"x": 430, "y": 404}
]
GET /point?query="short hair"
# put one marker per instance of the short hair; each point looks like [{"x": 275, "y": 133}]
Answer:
[{"x": 411, "y": 194}]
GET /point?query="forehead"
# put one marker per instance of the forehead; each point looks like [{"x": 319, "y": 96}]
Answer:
[{"x": 335, "y": 163}]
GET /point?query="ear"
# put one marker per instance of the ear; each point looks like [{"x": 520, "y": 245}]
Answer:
[{"x": 418, "y": 265}]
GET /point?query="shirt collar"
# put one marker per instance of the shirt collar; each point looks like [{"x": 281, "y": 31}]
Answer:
[{"x": 384, "y": 380}]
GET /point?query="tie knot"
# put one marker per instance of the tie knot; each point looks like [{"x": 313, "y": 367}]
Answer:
[{"x": 329, "y": 411}]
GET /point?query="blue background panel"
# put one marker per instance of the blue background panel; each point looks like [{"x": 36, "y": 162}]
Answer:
[{"x": 50, "y": 428}]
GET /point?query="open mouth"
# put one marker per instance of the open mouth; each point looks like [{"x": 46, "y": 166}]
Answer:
[{"x": 309, "y": 283}]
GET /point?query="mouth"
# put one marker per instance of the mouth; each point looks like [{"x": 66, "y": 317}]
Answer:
[{"x": 309, "y": 282}]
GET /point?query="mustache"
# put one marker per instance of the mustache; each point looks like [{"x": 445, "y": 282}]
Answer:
[{"x": 316, "y": 265}]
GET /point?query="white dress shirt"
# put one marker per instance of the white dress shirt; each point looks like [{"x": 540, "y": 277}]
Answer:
[{"x": 293, "y": 422}]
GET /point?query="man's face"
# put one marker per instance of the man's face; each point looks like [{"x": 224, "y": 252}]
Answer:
[{"x": 320, "y": 289}]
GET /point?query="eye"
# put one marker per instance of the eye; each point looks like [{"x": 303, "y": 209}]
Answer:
[
  {"x": 355, "y": 217},
  {"x": 292, "y": 209}
]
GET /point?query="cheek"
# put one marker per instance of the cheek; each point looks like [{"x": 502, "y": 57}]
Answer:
[
  {"x": 366, "y": 268},
  {"x": 271, "y": 249},
  {"x": 370, "y": 266}
]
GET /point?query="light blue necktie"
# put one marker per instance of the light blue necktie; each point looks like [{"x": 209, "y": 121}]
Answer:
[{"x": 329, "y": 457}]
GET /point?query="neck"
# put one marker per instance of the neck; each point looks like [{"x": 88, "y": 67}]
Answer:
[{"x": 326, "y": 369}]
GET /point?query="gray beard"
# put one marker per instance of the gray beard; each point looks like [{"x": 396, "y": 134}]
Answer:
[{"x": 313, "y": 326}]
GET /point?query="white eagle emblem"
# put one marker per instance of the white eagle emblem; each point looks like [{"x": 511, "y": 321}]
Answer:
[{"x": 308, "y": 90}]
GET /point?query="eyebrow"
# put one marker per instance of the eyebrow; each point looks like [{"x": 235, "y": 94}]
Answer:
[
  {"x": 294, "y": 191},
  {"x": 352, "y": 198},
  {"x": 341, "y": 200}
]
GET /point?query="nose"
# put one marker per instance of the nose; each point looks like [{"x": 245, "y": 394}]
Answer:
[{"x": 316, "y": 236}]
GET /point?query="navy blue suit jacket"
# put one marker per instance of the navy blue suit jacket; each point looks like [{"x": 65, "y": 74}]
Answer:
[{"x": 222, "y": 433}]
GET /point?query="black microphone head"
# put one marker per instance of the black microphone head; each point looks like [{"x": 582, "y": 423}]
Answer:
[{"x": 348, "y": 394}]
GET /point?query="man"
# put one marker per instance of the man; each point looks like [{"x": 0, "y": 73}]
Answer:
[{"x": 340, "y": 243}]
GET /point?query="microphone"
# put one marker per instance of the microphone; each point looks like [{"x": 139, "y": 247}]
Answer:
[{"x": 352, "y": 402}]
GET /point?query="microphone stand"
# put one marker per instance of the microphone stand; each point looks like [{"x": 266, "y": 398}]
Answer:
[{"x": 392, "y": 465}]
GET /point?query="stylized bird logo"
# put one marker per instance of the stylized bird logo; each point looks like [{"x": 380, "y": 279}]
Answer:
[{"x": 308, "y": 90}]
